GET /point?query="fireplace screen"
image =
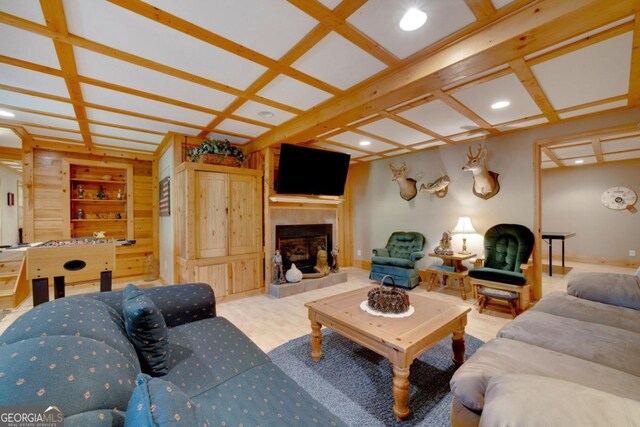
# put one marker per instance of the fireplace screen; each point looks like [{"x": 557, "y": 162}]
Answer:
[{"x": 299, "y": 244}]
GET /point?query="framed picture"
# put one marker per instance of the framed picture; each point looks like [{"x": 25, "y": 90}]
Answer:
[
  {"x": 11, "y": 199},
  {"x": 165, "y": 202}
]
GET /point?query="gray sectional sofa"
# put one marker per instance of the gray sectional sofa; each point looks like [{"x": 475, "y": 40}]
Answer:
[
  {"x": 573, "y": 359},
  {"x": 74, "y": 353}
]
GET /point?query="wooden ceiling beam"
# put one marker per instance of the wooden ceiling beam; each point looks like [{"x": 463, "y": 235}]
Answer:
[
  {"x": 603, "y": 134},
  {"x": 597, "y": 149},
  {"x": 74, "y": 40},
  {"x": 190, "y": 29},
  {"x": 112, "y": 86},
  {"x": 409, "y": 105},
  {"x": 338, "y": 23},
  {"x": 72, "y": 118},
  {"x": 374, "y": 136},
  {"x": 97, "y": 151},
  {"x": 523, "y": 32},
  {"x": 634, "y": 78},
  {"x": 9, "y": 153},
  {"x": 415, "y": 126},
  {"x": 55, "y": 128},
  {"x": 464, "y": 110},
  {"x": 531, "y": 84},
  {"x": 478, "y": 81},
  {"x": 53, "y": 12},
  {"x": 483, "y": 10},
  {"x": 348, "y": 147},
  {"x": 594, "y": 104},
  {"x": 552, "y": 157},
  {"x": 102, "y": 107},
  {"x": 344, "y": 10},
  {"x": 581, "y": 43}
]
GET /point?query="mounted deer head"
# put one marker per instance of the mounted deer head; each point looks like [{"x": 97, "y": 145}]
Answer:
[
  {"x": 485, "y": 182},
  {"x": 407, "y": 186}
]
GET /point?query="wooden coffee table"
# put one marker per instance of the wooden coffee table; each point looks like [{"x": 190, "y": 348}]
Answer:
[{"x": 400, "y": 340}]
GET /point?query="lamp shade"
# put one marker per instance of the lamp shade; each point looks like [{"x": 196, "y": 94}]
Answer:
[{"x": 464, "y": 226}]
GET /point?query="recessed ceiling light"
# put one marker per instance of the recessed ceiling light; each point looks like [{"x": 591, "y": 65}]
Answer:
[
  {"x": 578, "y": 162},
  {"x": 500, "y": 104},
  {"x": 266, "y": 114},
  {"x": 365, "y": 143},
  {"x": 4, "y": 113},
  {"x": 413, "y": 19}
]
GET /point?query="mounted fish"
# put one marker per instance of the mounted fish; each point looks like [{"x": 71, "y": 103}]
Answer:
[
  {"x": 485, "y": 182},
  {"x": 407, "y": 186},
  {"x": 439, "y": 187}
]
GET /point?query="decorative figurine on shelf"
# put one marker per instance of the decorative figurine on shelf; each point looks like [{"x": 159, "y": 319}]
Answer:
[
  {"x": 80, "y": 214},
  {"x": 118, "y": 215},
  {"x": 80, "y": 192},
  {"x": 445, "y": 244},
  {"x": 334, "y": 260},
  {"x": 278, "y": 273},
  {"x": 322, "y": 266},
  {"x": 119, "y": 196},
  {"x": 101, "y": 194}
]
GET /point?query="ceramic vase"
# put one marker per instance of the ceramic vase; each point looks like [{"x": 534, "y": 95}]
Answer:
[{"x": 293, "y": 274}]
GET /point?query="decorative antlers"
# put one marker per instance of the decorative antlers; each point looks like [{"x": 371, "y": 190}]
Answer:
[{"x": 482, "y": 153}]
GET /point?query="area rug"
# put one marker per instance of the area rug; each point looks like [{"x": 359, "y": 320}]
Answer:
[{"x": 355, "y": 383}]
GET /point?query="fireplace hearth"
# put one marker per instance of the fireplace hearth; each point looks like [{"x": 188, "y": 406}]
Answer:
[{"x": 299, "y": 244}]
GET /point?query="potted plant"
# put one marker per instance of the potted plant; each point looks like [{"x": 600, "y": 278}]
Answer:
[{"x": 216, "y": 151}]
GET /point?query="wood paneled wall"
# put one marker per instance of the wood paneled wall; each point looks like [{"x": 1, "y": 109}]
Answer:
[{"x": 48, "y": 201}]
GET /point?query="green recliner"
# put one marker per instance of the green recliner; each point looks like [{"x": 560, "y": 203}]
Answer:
[{"x": 398, "y": 259}]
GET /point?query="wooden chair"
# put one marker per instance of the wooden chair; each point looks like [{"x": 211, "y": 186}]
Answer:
[{"x": 506, "y": 265}]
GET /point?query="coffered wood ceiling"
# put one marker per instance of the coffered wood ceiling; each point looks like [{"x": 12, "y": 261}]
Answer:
[{"x": 117, "y": 75}]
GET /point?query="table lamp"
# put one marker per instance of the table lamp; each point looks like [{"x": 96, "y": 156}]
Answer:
[{"x": 464, "y": 227}]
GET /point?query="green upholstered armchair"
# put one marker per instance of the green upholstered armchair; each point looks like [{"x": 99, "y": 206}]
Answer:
[
  {"x": 507, "y": 248},
  {"x": 398, "y": 259}
]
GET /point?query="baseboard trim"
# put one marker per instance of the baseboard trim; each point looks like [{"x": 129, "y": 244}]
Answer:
[
  {"x": 360, "y": 263},
  {"x": 617, "y": 262}
]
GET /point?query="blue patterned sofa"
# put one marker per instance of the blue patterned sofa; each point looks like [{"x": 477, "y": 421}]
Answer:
[{"x": 74, "y": 353}]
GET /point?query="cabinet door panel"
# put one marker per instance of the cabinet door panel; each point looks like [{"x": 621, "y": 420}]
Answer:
[
  {"x": 211, "y": 214},
  {"x": 245, "y": 275},
  {"x": 243, "y": 229},
  {"x": 217, "y": 276}
]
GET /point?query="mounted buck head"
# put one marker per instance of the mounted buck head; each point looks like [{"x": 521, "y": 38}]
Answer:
[
  {"x": 476, "y": 162},
  {"x": 408, "y": 188},
  {"x": 399, "y": 173},
  {"x": 485, "y": 182}
]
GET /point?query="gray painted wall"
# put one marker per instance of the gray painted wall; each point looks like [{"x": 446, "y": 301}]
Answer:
[
  {"x": 378, "y": 209},
  {"x": 571, "y": 202}
]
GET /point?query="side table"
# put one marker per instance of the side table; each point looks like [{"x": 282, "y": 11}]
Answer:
[{"x": 460, "y": 271}]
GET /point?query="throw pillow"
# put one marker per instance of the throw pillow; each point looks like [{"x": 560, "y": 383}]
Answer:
[
  {"x": 147, "y": 330},
  {"x": 159, "y": 403}
]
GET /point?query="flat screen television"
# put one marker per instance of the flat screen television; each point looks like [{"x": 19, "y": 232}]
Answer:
[{"x": 304, "y": 170}]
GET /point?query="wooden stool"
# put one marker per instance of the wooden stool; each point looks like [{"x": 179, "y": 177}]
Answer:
[{"x": 485, "y": 294}]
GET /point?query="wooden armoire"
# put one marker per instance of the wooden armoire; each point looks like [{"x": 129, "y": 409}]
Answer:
[{"x": 218, "y": 228}]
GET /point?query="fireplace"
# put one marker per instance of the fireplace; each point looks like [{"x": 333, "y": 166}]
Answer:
[{"x": 299, "y": 244}]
